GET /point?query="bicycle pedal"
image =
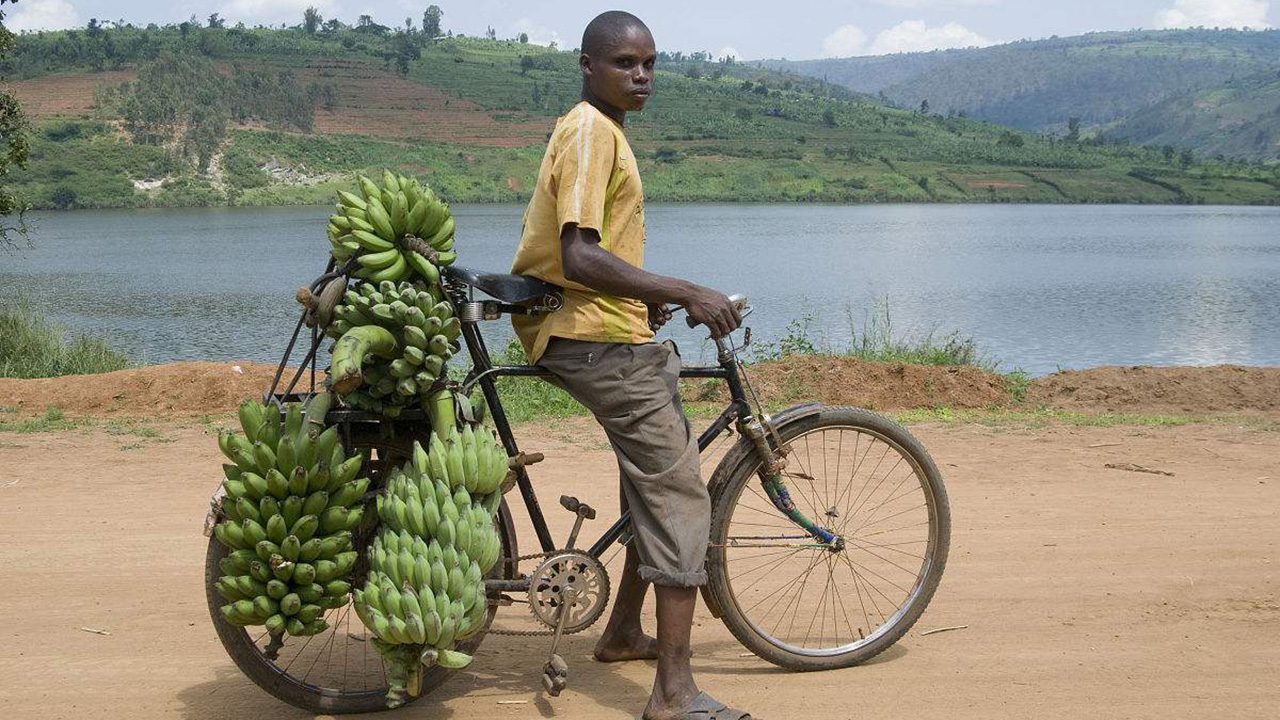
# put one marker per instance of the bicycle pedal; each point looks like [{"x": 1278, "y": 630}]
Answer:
[
  {"x": 577, "y": 507},
  {"x": 555, "y": 675}
]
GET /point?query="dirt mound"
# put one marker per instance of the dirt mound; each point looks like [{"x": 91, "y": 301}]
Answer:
[
  {"x": 203, "y": 387},
  {"x": 1217, "y": 389},
  {"x": 182, "y": 388},
  {"x": 877, "y": 386}
]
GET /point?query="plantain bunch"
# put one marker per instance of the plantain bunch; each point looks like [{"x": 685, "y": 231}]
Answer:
[
  {"x": 395, "y": 230},
  {"x": 291, "y": 498},
  {"x": 392, "y": 345},
  {"x": 437, "y": 541}
]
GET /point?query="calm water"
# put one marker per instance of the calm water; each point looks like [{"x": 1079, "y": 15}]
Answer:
[{"x": 1038, "y": 287}]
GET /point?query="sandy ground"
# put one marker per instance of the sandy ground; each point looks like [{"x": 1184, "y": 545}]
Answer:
[{"x": 1085, "y": 590}]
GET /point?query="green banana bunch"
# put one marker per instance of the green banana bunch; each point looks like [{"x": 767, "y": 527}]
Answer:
[
  {"x": 437, "y": 540},
  {"x": 394, "y": 231},
  {"x": 393, "y": 341},
  {"x": 291, "y": 501}
]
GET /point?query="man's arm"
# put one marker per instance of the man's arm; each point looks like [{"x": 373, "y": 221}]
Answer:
[{"x": 586, "y": 263}]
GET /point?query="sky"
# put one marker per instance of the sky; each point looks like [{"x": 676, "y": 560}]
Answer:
[{"x": 797, "y": 29}]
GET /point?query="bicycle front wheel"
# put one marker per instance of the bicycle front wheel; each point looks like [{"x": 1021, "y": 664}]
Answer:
[{"x": 803, "y": 605}]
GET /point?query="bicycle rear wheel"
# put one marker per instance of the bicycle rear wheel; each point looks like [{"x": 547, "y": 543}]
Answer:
[
  {"x": 800, "y": 604},
  {"x": 337, "y": 671}
]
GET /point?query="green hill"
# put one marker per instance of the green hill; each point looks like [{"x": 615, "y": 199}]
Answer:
[
  {"x": 1036, "y": 85},
  {"x": 1240, "y": 118},
  {"x": 182, "y": 115}
]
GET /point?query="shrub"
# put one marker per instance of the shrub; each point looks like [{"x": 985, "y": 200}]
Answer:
[{"x": 33, "y": 347}]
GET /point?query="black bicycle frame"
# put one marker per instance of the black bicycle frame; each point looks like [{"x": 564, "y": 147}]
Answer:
[{"x": 484, "y": 372}]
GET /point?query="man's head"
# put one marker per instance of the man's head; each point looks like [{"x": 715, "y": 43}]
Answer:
[{"x": 617, "y": 60}]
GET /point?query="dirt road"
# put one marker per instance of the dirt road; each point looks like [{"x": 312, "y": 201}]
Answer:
[{"x": 1087, "y": 591}]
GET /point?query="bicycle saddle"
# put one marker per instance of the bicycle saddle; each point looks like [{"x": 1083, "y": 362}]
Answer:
[{"x": 513, "y": 289}]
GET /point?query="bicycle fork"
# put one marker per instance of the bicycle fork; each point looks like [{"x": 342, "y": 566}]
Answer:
[{"x": 773, "y": 462}]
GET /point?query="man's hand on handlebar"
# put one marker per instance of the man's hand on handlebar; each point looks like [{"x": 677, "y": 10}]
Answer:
[
  {"x": 659, "y": 315},
  {"x": 713, "y": 309}
]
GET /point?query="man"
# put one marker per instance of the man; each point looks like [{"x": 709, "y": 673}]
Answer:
[{"x": 584, "y": 231}]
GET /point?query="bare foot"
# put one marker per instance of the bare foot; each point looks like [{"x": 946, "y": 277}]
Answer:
[{"x": 636, "y": 646}]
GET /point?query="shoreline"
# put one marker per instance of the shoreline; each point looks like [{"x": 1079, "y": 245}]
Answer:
[{"x": 932, "y": 202}]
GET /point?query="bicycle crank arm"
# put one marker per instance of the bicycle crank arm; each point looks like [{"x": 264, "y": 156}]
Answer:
[{"x": 555, "y": 674}]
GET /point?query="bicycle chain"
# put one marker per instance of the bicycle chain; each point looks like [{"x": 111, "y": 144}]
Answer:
[{"x": 528, "y": 633}]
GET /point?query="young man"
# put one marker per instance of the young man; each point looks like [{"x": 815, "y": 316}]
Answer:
[{"x": 584, "y": 231}]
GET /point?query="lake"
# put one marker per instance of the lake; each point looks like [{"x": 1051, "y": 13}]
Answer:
[{"x": 1037, "y": 287}]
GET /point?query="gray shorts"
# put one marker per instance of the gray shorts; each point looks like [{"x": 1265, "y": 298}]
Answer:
[{"x": 632, "y": 390}]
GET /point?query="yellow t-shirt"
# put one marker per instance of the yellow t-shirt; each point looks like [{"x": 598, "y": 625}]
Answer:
[{"x": 589, "y": 177}]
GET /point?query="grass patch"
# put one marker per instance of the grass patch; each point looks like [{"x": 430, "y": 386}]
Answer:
[
  {"x": 142, "y": 432},
  {"x": 1041, "y": 417},
  {"x": 875, "y": 340},
  {"x": 53, "y": 419},
  {"x": 33, "y": 347}
]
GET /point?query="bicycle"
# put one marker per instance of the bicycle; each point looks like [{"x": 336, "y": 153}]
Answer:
[{"x": 780, "y": 518}]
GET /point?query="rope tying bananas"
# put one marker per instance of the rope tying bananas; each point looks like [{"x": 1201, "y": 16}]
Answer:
[{"x": 290, "y": 504}]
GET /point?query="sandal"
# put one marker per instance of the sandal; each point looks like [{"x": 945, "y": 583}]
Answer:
[{"x": 705, "y": 707}]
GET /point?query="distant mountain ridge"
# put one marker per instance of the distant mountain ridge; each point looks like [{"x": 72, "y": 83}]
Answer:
[{"x": 1101, "y": 78}]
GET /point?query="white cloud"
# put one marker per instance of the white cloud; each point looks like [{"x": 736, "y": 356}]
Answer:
[
  {"x": 1215, "y": 13},
  {"x": 844, "y": 41},
  {"x": 538, "y": 34},
  {"x": 728, "y": 51},
  {"x": 933, "y": 3},
  {"x": 915, "y": 36},
  {"x": 253, "y": 12},
  {"x": 907, "y": 36},
  {"x": 43, "y": 15}
]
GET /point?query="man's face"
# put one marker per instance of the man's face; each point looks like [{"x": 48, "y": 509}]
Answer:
[{"x": 622, "y": 74}]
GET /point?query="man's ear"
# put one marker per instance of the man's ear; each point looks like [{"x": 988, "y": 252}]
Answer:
[{"x": 584, "y": 64}]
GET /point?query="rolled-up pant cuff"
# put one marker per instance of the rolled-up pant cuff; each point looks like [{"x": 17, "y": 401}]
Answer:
[{"x": 693, "y": 578}]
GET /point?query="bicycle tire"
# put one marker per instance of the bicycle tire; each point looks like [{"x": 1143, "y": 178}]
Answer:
[
  {"x": 244, "y": 652},
  {"x": 741, "y": 465}
]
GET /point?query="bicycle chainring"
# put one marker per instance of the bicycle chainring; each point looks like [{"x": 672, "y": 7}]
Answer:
[{"x": 573, "y": 569}]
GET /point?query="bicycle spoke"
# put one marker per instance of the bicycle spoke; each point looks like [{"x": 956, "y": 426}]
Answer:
[
  {"x": 869, "y": 571},
  {"x": 892, "y": 497},
  {"x": 757, "y": 580}
]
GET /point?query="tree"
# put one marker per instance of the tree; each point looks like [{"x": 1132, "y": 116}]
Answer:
[
  {"x": 1169, "y": 152},
  {"x": 537, "y": 96},
  {"x": 526, "y": 64},
  {"x": 431, "y": 21},
  {"x": 311, "y": 19},
  {"x": 1186, "y": 158},
  {"x": 693, "y": 72},
  {"x": 13, "y": 152},
  {"x": 828, "y": 118},
  {"x": 216, "y": 22},
  {"x": 524, "y": 38},
  {"x": 406, "y": 51},
  {"x": 364, "y": 21},
  {"x": 491, "y": 33},
  {"x": 924, "y": 107},
  {"x": 1073, "y": 129}
]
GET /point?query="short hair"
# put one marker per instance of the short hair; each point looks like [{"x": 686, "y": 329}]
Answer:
[{"x": 606, "y": 28}]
